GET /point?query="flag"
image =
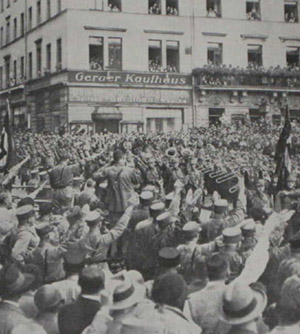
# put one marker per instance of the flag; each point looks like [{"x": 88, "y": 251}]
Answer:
[
  {"x": 8, "y": 157},
  {"x": 282, "y": 154}
]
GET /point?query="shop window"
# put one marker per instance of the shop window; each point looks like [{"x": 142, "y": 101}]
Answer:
[
  {"x": 22, "y": 24},
  {"x": 115, "y": 53},
  {"x": 39, "y": 58},
  {"x": 213, "y": 8},
  {"x": 155, "y": 56},
  {"x": 7, "y": 30},
  {"x": 15, "y": 28},
  {"x": 154, "y": 7},
  {"x": 295, "y": 115},
  {"x": 58, "y": 54},
  {"x": 254, "y": 55},
  {"x": 172, "y": 7},
  {"x": 172, "y": 56},
  {"x": 96, "y": 53},
  {"x": 114, "y": 5},
  {"x": 291, "y": 11},
  {"x": 253, "y": 9},
  {"x": 214, "y": 53},
  {"x": 255, "y": 115},
  {"x": 48, "y": 60},
  {"x": 30, "y": 67},
  {"x": 48, "y": 9},
  {"x": 214, "y": 115},
  {"x": 38, "y": 12},
  {"x": 276, "y": 119},
  {"x": 292, "y": 57},
  {"x": 29, "y": 18}
]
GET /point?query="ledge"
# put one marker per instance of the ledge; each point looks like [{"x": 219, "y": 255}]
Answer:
[
  {"x": 163, "y": 32},
  {"x": 286, "y": 38},
  {"x": 105, "y": 29},
  {"x": 216, "y": 34},
  {"x": 254, "y": 36}
]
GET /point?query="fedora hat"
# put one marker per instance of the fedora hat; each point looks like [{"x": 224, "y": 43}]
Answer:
[
  {"x": 13, "y": 281},
  {"x": 241, "y": 303},
  {"x": 128, "y": 291}
]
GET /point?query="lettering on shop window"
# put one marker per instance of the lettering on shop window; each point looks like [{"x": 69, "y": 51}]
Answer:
[
  {"x": 118, "y": 95},
  {"x": 129, "y": 78}
]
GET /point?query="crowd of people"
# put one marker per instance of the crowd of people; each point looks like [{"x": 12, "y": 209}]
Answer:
[
  {"x": 186, "y": 232},
  {"x": 254, "y": 75}
]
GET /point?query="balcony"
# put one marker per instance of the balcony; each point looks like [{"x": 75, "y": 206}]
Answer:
[{"x": 230, "y": 77}]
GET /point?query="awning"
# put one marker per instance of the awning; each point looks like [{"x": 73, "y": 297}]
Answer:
[{"x": 106, "y": 113}]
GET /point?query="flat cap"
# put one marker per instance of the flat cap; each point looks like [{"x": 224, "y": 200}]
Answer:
[
  {"x": 93, "y": 218},
  {"x": 191, "y": 229},
  {"x": 232, "y": 235},
  {"x": 164, "y": 219},
  {"x": 146, "y": 198},
  {"x": 168, "y": 257}
]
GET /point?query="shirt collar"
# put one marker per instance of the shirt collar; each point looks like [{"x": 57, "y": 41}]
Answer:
[
  {"x": 11, "y": 303},
  {"x": 91, "y": 297}
]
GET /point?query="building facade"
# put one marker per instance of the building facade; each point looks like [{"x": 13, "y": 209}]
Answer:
[{"x": 147, "y": 65}]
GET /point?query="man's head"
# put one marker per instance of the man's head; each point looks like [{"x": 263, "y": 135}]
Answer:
[
  {"x": 218, "y": 268},
  {"x": 91, "y": 280},
  {"x": 26, "y": 215},
  {"x": 260, "y": 186},
  {"x": 291, "y": 182},
  {"x": 118, "y": 158}
]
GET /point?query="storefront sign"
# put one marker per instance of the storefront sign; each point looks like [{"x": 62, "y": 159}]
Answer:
[
  {"x": 123, "y": 95},
  {"x": 129, "y": 78}
]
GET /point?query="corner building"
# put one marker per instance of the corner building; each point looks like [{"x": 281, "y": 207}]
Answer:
[{"x": 126, "y": 65}]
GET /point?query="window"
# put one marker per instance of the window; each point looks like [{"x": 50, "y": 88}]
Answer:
[
  {"x": 291, "y": 11},
  {"x": 7, "y": 30},
  {"x": 58, "y": 6},
  {"x": 115, "y": 53},
  {"x": 172, "y": 56},
  {"x": 214, "y": 115},
  {"x": 58, "y": 54},
  {"x": 30, "y": 65},
  {"x": 154, "y": 7},
  {"x": 22, "y": 25},
  {"x": 214, "y": 53},
  {"x": 7, "y": 71},
  {"x": 1, "y": 37},
  {"x": 114, "y": 5},
  {"x": 213, "y": 8},
  {"x": 254, "y": 55},
  {"x": 172, "y": 7},
  {"x": 39, "y": 58},
  {"x": 29, "y": 18},
  {"x": 48, "y": 9},
  {"x": 253, "y": 9},
  {"x": 15, "y": 72},
  {"x": 96, "y": 53},
  {"x": 155, "y": 56},
  {"x": 15, "y": 28},
  {"x": 22, "y": 68},
  {"x": 1, "y": 77},
  {"x": 48, "y": 61},
  {"x": 292, "y": 57},
  {"x": 38, "y": 12}
]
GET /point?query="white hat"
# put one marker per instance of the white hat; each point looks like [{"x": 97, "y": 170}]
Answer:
[{"x": 241, "y": 303}]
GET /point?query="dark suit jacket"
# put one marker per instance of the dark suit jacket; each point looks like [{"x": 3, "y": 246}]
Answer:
[
  {"x": 74, "y": 318},
  {"x": 10, "y": 317}
]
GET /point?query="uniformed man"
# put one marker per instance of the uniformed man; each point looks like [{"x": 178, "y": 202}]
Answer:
[{"x": 26, "y": 238}]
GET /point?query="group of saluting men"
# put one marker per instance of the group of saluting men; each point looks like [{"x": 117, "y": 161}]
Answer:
[{"x": 116, "y": 234}]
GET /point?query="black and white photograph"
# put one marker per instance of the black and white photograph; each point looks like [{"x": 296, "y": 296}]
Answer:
[{"x": 149, "y": 167}]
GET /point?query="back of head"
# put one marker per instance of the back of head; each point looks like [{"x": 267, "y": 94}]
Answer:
[
  {"x": 170, "y": 289},
  {"x": 117, "y": 156},
  {"x": 217, "y": 267},
  {"x": 91, "y": 280}
]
